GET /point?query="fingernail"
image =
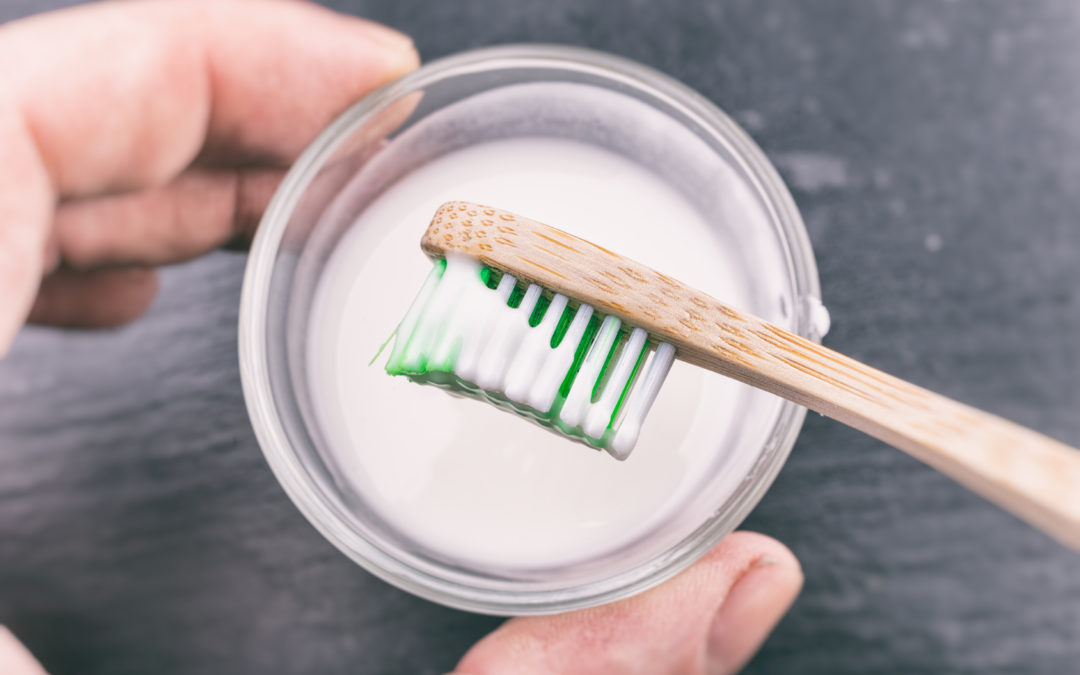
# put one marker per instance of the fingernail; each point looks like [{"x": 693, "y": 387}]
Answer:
[
  {"x": 387, "y": 36},
  {"x": 752, "y": 608},
  {"x": 399, "y": 48}
]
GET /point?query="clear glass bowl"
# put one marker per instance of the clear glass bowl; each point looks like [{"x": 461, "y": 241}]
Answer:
[{"x": 438, "y": 105}]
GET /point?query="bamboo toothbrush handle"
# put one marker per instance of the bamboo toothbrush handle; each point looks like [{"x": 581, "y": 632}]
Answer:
[{"x": 1033, "y": 476}]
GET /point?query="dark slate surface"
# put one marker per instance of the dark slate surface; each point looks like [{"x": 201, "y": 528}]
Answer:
[{"x": 934, "y": 149}]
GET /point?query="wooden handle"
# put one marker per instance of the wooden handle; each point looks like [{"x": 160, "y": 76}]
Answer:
[{"x": 1033, "y": 476}]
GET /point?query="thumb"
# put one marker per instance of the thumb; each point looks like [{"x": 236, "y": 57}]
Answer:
[
  {"x": 710, "y": 619},
  {"x": 14, "y": 659}
]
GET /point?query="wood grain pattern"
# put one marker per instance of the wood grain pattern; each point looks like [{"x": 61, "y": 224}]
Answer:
[{"x": 1031, "y": 475}]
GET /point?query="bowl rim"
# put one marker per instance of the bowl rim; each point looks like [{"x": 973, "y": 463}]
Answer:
[{"x": 269, "y": 429}]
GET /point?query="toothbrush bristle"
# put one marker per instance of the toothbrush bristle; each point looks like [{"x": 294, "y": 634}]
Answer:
[{"x": 481, "y": 333}]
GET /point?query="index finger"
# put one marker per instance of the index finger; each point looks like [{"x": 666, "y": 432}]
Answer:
[{"x": 125, "y": 95}]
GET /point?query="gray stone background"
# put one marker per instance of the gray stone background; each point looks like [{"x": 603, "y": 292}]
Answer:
[{"x": 934, "y": 149}]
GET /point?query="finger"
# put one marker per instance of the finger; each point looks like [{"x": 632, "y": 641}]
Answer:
[
  {"x": 749, "y": 613},
  {"x": 127, "y": 94},
  {"x": 94, "y": 299},
  {"x": 685, "y": 625},
  {"x": 200, "y": 211},
  {"x": 26, "y": 201},
  {"x": 14, "y": 659}
]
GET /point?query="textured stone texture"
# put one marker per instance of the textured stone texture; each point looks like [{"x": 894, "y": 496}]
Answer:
[{"x": 934, "y": 149}]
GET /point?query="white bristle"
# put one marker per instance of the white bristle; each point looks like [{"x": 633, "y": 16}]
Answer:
[
  {"x": 448, "y": 338},
  {"x": 579, "y": 400},
  {"x": 506, "y": 333},
  {"x": 640, "y": 400},
  {"x": 407, "y": 328},
  {"x": 551, "y": 374},
  {"x": 438, "y": 310},
  {"x": 487, "y": 313},
  {"x": 528, "y": 303},
  {"x": 533, "y": 352},
  {"x": 458, "y": 323},
  {"x": 597, "y": 420}
]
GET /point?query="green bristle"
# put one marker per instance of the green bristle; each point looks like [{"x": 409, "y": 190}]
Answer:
[
  {"x": 516, "y": 296},
  {"x": 609, "y": 361},
  {"x": 579, "y": 355},
  {"x": 491, "y": 277},
  {"x": 538, "y": 312},
  {"x": 629, "y": 384},
  {"x": 563, "y": 325}
]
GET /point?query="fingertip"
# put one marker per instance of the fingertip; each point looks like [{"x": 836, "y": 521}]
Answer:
[
  {"x": 9, "y": 327},
  {"x": 20, "y": 270},
  {"x": 401, "y": 56},
  {"x": 747, "y": 548},
  {"x": 396, "y": 50},
  {"x": 26, "y": 205},
  {"x": 755, "y": 603},
  {"x": 333, "y": 60},
  {"x": 403, "y": 63},
  {"x": 14, "y": 657}
]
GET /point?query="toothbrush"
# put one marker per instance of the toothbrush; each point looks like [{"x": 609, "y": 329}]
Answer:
[{"x": 579, "y": 339}]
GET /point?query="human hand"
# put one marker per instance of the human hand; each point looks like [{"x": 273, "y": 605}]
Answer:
[
  {"x": 148, "y": 133},
  {"x": 710, "y": 619},
  {"x": 140, "y": 134}
]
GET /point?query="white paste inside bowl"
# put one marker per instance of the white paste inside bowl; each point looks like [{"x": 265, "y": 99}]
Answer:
[{"x": 473, "y": 484}]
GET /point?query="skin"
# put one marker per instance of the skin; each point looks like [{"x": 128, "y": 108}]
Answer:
[{"x": 149, "y": 133}]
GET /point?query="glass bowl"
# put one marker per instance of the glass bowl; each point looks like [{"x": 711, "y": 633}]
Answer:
[{"x": 456, "y": 102}]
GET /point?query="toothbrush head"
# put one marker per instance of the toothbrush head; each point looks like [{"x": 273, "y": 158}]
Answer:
[{"x": 479, "y": 331}]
